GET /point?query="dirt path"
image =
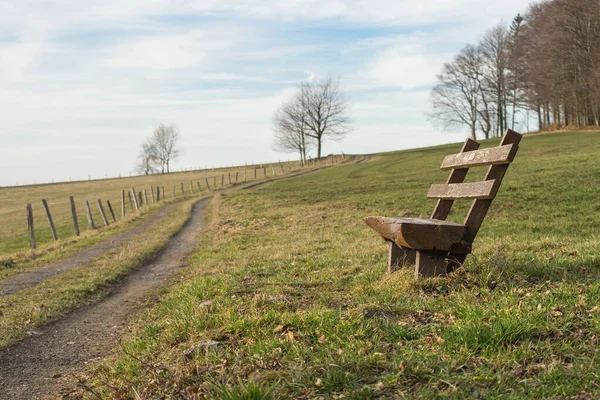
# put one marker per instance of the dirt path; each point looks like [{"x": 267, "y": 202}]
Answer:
[
  {"x": 36, "y": 276},
  {"x": 33, "y": 368}
]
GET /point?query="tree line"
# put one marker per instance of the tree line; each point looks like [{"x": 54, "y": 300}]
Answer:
[{"x": 546, "y": 64}]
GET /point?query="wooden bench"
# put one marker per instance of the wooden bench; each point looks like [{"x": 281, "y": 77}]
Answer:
[{"x": 436, "y": 246}]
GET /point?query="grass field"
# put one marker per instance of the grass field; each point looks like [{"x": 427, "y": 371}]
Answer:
[
  {"x": 13, "y": 235},
  {"x": 290, "y": 287}
]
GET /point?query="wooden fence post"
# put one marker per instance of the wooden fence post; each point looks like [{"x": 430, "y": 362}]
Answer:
[
  {"x": 158, "y": 194},
  {"x": 199, "y": 187},
  {"x": 207, "y": 185},
  {"x": 123, "y": 203},
  {"x": 89, "y": 215},
  {"x": 30, "y": 229},
  {"x": 152, "y": 194},
  {"x": 174, "y": 194},
  {"x": 255, "y": 172},
  {"x": 182, "y": 192},
  {"x": 236, "y": 177},
  {"x": 52, "y": 228},
  {"x": 222, "y": 180},
  {"x": 229, "y": 177},
  {"x": 244, "y": 174},
  {"x": 281, "y": 165},
  {"x": 191, "y": 187},
  {"x": 112, "y": 213},
  {"x": 264, "y": 172},
  {"x": 163, "y": 193},
  {"x": 74, "y": 215},
  {"x": 146, "y": 196},
  {"x": 130, "y": 201},
  {"x": 141, "y": 200},
  {"x": 273, "y": 168},
  {"x": 135, "y": 199},
  {"x": 101, "y": 208}
]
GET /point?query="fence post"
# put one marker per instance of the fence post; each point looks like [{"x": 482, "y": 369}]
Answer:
[
  {"x": 264, "y": 172},
  {"x": 30, "y": 226},
  {"x": 74, "y": 214},
  {"x": 130, "y": 201},
  {"x": 163, "y": 193},
  {"x": 191, "y": 187},
  {"x": 273, "y": 168},
  {"x": 207, "y": 185},
  {"x": 152, "y": 194},
  {"x": 157, "y": 194},
  {"x": 281, "y": 165},
  {"x": 255, "y": 172},
  {"x": 141, "y": 200},
  {"x": 135, "y": 199},
  {"x": 182, "y": 192},
  {"x": 146, "y": 196},
  {"x": 52, "y": 228},
  {"x": 174, "y": 194},
  {"x": 199, "y": 188},
  {"x": 236, "y": 177},
  {"x": 101, "y": 208},
  {"x": 112, "y": 213},
  {"x": 229, "y": 177},
  {"x": 244, "y": 174},
  {"x": 89, "y": 215},
  {"x": 222, "y": 180},
  {"x": 123, "y": 203}
]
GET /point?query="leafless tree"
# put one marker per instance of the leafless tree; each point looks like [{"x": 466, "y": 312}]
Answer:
[
  {"x": 148, "y": 158},
  {"x": 325, "y": 111},
  {"x": 289, "y": 126},
  {"x": 165, "y": 139},
  {"x": 455, "y": 99}
]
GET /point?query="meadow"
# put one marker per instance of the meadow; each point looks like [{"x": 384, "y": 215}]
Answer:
[
  {"x": 287, "y": 294},
  {"x": 13, "y": 236}
]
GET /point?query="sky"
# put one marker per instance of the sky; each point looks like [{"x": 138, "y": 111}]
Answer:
[{"x": 84, "y": 82}]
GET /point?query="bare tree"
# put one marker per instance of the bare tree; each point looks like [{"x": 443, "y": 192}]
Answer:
[
  {"x": 165, "y": 139},
  {"x": 455, "y": 99},
  {"x": 325, "y": 111},
  {"x": 289, "y": 126},
  {"x": 148, "y": 158}
]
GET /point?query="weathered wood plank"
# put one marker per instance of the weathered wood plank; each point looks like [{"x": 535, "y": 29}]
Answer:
[
  {"x": 399, "y": 257},
  {"x": 430, "y": 264},
  {"x": 442, "y": 208},
  {"x": 476, "y": 158},
  {"x": 416, "y": 233},
  {"x": 457, "y": 191}
]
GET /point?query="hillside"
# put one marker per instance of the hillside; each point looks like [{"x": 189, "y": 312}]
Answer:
[{"x": 291, "y": 289}]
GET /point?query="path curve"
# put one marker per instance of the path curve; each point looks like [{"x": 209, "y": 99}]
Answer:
[
  {"x": 27, "y": 279},
  {"x": 33, "y": 368}
]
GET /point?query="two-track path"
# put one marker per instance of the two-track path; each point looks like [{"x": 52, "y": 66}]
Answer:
[
  {"x": 36, "y": 276},
  {"x": 33, "y": 367}
]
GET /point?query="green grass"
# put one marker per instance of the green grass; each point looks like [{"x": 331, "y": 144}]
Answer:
[{"x": 292, "y": 284}]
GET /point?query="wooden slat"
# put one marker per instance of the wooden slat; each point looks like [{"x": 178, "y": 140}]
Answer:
[
  {"x": 458, "y": 191},
  {"x": 442, "y": 208},
  {"x": 492, "y": 156},
  {"x": 479, "y": 208}
]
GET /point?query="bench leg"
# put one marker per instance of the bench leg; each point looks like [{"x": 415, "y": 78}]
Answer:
[
  {"x": 455, "y": 261},
  {"x": 430, "y": 263},
  {"x": 399, "y": 256}
]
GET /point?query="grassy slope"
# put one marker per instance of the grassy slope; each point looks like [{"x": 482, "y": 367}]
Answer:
[{"x": 302, "y": 307}]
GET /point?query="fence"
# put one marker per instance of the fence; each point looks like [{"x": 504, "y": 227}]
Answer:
[{"x": 66, "y": 210}]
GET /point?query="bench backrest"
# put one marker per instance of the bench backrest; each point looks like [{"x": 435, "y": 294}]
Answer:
[{"x": 482, "y": 193}]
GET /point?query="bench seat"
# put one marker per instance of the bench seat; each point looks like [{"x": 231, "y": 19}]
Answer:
[{"x": 418, "y": 233}]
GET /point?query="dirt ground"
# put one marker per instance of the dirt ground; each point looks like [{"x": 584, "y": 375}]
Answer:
[
  {"x": 42, "y": 366},
  {"x": 36, "y": 276}
]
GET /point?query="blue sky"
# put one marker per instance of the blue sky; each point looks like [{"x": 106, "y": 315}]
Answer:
[{"x": 82, "y": 83}]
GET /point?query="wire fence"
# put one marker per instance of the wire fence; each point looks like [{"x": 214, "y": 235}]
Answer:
[{"x": 126, "y": 196}]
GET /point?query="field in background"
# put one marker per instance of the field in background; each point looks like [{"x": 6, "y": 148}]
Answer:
[
  {"x": 13, "y": 200},
  {"x": 288, "y": 293}
]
